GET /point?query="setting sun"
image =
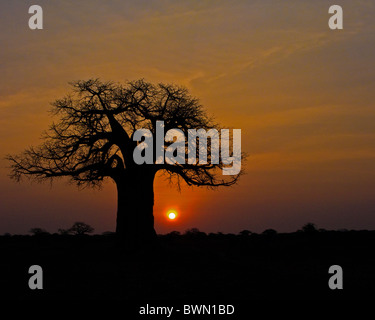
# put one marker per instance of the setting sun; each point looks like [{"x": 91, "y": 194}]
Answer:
[{"x": 172, "y": 215}]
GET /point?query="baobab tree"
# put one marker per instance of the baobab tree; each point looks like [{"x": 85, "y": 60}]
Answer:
[{"x": 93, "y": 139}]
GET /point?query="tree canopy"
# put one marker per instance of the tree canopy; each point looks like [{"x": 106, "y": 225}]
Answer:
[{"x": 93, "y": 137}]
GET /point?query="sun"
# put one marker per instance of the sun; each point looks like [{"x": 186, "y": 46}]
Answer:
[{"x": 172, "y": 215}]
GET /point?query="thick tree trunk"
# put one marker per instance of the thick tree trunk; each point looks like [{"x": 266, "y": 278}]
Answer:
[{"x": 135, "y": 218}]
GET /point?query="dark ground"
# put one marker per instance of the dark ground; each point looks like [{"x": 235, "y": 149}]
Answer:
[{"x": 199, "y": 267}]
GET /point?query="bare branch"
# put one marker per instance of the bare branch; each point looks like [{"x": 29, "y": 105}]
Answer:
[{"x": 92, "y": 138}]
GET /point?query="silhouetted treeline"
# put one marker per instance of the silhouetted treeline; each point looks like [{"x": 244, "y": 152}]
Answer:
[
  {"x": 194, "y": 237},
  {"x": 81, "y": 228},
  {"x": 191, "y": 265}
]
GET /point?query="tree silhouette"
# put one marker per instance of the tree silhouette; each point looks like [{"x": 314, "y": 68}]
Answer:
[
  {"x": 63, "y": 232},
  {"x": 309, "y": 228},
  {"x": 269, "y": 232},
  {"x": 245, "y": 233},
  {"x": 38, "y": 231},
  {"x": 80, "y": 228},
  {"x": 93, "y": 140}
]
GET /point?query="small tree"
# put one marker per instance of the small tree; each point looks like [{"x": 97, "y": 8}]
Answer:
[
  {"x": 38, "y": 231},
  {"x": 63, "y": 232},
  {"x": 195, "y": 233},
  {"x": 269, "y": 232},
  {"x": 245, "y": 233},
  {"x": 309, "y": 228},
  {"x": 174, "y": 234},
  {"x": 80, "y": 228}
]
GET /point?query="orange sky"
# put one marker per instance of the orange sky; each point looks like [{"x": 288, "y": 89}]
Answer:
[{"x": 302, "y": 94}]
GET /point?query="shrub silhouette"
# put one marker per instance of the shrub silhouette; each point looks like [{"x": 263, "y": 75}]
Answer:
[
  {"x": 245, "y": 233},
  {"x": 174, "y": 234},
  {"x": 309, "y": 228},
  {"x": 63, "y": 232},
  {"x": 195, "y": 233},
  {"x": 269, "y": 232},
  {"x": 80, "y": 228},
  {"x": 38, "y": 231}
]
